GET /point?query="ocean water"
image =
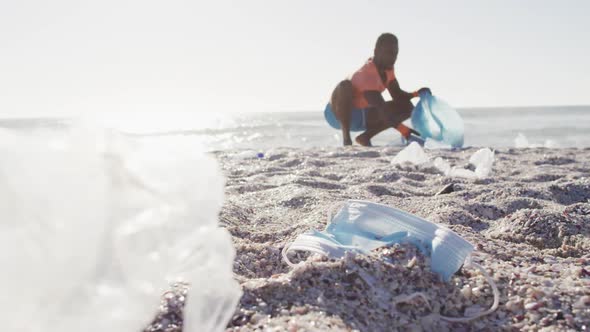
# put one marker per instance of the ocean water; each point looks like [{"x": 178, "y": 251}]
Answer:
[{"x": 566, "y": 126}]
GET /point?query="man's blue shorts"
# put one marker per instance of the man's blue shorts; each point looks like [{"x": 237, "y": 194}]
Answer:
[{"x": 358, "y": 119}]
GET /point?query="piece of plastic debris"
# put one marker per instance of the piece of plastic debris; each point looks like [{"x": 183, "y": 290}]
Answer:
[
  {"x": 96, "y": 226},
  {"x": 413, "y": 153},
  {"x": 482, "y": 159}
]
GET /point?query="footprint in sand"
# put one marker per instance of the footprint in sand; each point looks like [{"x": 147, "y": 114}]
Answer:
[
  {"x": 513, "y": 205},
  {"x": 564, "y": 235},
  {"x": 249, "y": 188},
  {"x": 572, "y": 192},
  {"x": 485, "y": 211},
  {"x": 543, "y": 177},
  {"x": 318, "y": 184},
  {"x": 555, "y": 161},
  {"x": 384, "y": 191},
  {"x": 298, "y": 202}
]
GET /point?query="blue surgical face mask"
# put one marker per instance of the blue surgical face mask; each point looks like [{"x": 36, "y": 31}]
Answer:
[{"x": 361, "y": 226}]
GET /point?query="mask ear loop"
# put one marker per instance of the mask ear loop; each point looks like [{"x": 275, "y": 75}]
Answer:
[
  {"x": 287, "y": 247},
  {"x": 469, "y": 263},
  {"x": 284, "y": 254}
]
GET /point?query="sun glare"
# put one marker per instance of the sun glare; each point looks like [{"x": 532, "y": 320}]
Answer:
[{"x": 164, "y": 122}]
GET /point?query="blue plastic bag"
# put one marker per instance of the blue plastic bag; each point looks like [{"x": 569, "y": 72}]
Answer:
[
  {"x": 358, "y": 119},
  {"x": 435, "y": 119}
]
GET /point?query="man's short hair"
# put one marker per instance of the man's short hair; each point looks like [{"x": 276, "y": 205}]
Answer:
[{"x": 386, "y": 38}]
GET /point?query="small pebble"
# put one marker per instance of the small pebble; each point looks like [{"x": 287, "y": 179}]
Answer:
[
  {"x": 446, "y": 190},
  {"x": 292, "y": 326},
  {"x": 476, "y": 291},
  {"x": 256, "y": 318},
  {"x": 582, "y": 303},
  {"x": 299, "y": 310},
  {"x": 533, "y": 305},
  {"x": 466, "y": 291},
  {"x": 537, "y": 294},
  {"x": 412, "y": 262},
  {"x": 514, "y": 305},
  {"x": 545, "y": 321}
]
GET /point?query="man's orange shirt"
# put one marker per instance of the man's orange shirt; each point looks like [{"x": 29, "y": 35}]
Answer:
[{"x": 368, "y": 79}]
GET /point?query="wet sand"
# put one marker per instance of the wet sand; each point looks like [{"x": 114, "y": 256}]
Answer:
[{"x": 529, "y": 220}]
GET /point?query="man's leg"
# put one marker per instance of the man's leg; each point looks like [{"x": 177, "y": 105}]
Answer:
[
  {"x": 395, "y": 114},
  {"x": 342, "y": 107}
]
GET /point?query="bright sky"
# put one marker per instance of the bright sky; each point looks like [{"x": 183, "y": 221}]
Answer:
[{"x": 77, "y": 57}]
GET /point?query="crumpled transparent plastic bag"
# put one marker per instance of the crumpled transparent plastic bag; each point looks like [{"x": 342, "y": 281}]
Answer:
[
  {"x": 95, "y": 226},
  {"x": 482, "y": 159},
  {"x": 413, "y": 153}
]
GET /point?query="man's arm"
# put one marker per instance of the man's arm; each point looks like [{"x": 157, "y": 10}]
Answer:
[
  {"x": 375, "y": 99},
  {"x": 397, "y": 93}
]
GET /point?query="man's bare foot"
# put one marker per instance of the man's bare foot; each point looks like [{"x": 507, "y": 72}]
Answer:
[
  {"x": 363, "y": 140},
  {"x": 346, "y": 142}
]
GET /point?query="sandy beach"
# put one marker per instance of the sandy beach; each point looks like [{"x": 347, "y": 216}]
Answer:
[{"x": 529, "y": 221}]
